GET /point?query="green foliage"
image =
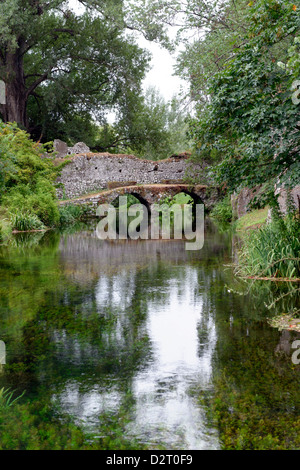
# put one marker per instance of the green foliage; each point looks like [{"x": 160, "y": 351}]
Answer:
[
  {"x": 6, "y": 396},
  {"x": 247, "y": 122},
  {"x": 273, "y": 250},
  {"x": 38, "y": 200},
  {"x": 251, "y": 119},
  {"x": 73, "y": 65},
  {"x": 27, "y": 180},
  {"x": 225, "y": 23},
  {"x": 222, "y": 211},
  {"x": 93, "y": 67},
  {"x": 70, "y": 214},
  {"x": 240, "y": 59},
  {"x": 147, "y": 126},
  {"x": 153, "y": 140},
  {"x": 21, "y": 161},
  {"x": 24, "y": 222},
  {"x": 151, "y": 128},
  {"x": 293, "y": 63},
  {"x": 180, "y": 198}
]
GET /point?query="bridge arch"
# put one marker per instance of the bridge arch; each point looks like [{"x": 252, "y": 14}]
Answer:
[
  {"x": 140, "y": 198},
  {"x": 128, "y": 192},
  {"x": 150, "y": 194},
  {"x": 196, "y": 198}
]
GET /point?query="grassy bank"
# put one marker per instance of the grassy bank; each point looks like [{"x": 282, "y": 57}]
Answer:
[
  {"x": 252, "y": 220},
  {"x": 19, "y": 221},
  {"x": 269, "y": 249},
  {"x": 27, "y": 183},
  {"x": 272, "y": 250}
]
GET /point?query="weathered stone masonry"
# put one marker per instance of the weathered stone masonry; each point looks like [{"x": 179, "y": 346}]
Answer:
[
  {"x": 91, "y": 172},
  {"x": 150, "y": 194}
]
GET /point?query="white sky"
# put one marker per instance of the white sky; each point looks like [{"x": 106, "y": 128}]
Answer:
[{"x": 161, "y": 75}]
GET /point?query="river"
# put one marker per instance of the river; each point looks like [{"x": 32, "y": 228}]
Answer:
[{"x": 143, "y": 330}]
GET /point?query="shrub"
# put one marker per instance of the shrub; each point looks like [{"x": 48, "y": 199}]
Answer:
[
  {"x": 38, "y": 199},
  {"x": 24, "y": 222},
  {"x": 222, "y": 211},
  {"x": 21, "y": 161},
  {"x": 70, "y": 214},
  {"x": 27, "y": 180}
]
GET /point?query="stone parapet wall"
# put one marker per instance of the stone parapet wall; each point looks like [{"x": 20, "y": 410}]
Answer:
[{"x": 91, "y": 172}]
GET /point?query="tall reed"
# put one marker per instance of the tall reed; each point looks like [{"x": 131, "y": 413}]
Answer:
[{"x": 273, "y": 250}]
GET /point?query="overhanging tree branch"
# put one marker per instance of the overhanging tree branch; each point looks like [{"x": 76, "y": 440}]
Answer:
[{"x": 35, "y": 84}]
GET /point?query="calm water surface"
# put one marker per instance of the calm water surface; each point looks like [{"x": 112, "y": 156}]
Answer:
[{"x": 134, "y": 328}]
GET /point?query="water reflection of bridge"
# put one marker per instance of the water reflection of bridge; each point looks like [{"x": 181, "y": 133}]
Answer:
[{"x": 87, "y": 257}]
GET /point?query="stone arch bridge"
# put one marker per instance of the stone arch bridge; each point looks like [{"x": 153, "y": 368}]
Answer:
[
  {"x": 92, "y": 179},
  {"x": 149, "y": 194}
]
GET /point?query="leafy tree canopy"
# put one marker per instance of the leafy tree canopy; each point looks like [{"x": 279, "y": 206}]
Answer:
[
  {"x": 63, "y": 67},
  {"x": 150, "y": 127},
  {"x": 251, "y": 119},
  {"x": 241, "y": 59}
]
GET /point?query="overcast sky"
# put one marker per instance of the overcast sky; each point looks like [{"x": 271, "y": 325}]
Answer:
[{"x": 161, "y": 74}]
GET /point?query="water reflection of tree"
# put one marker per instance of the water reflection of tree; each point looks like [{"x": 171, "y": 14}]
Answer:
[
  {"x": 55, "y": 325},
  {"x": 67, "y": 334},
  {"x": 256, "y": 402},
  {"x": 28, "y": 265}
]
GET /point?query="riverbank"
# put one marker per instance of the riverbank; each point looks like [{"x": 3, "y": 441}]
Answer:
[
  {"x": 270, "y": 247},
  {"x": 252, "y": 220},
  {"x": 11, "y": 224},
  {"x": 267, "y": 257}
]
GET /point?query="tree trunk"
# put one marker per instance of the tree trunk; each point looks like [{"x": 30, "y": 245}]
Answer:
[{"x": 16, "y": 97}]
